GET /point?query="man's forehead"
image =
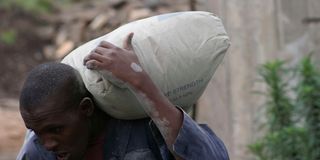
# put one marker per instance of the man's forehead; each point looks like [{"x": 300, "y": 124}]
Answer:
[
  {"x": 50, "y": 103},
  {"x": 41, "y": 121},
  {"x": 41, "y": 113},
  {"x": 52, "y": 107},
  {"x": 59, "y": 101}
]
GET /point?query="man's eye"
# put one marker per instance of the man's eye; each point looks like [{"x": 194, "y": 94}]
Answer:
[{"x": 56, "y": 130}]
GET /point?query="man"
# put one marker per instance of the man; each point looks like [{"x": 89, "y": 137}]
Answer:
[{"x": 66, "y": 124}]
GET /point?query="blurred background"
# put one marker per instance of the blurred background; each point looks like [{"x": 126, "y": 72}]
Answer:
[{"x": 263, "y": 101}]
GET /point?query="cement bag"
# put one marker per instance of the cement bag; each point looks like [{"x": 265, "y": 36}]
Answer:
[{"x": 180, "y": 52}]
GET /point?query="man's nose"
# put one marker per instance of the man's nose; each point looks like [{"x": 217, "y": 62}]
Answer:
[{"x": 50, "y": 144}]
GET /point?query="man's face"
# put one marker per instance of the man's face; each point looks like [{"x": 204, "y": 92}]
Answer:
[{"x": 61, "y": 130}]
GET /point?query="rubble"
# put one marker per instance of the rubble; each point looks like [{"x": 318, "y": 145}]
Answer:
[
  {"x": 139, "y": 14},
  {"x": 64, "y": 49},
  {"x": 79, "y": 23}
]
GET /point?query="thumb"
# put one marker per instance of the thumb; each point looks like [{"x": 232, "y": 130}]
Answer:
[{"x": 127, "y": 43}]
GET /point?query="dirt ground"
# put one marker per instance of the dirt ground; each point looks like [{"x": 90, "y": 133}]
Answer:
[
  {"x": 33, "y": 34},
  {"x": 16, "y": 60},
  {"x": 12, "y": 129}
]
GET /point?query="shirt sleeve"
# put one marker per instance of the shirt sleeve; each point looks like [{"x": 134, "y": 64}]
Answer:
[
  {"x": 32, "y": 150},
  {"x": 194, "y": 141}
]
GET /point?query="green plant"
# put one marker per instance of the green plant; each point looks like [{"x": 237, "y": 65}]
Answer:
[
  {"x": 286, "y": 144},
  {"x": 8, "y": 37},
  {"x": 279, "y": 105},
  {"x": 309, "y": 99},
  {"x": 34, "y": 6},
  {"x": 287, "y": 139}
]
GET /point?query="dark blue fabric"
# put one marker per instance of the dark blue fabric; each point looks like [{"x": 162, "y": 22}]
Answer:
[
  {"x": 130, "y": 140},
  {"x": 32, "y": 150},
  {"x": 197, "y": 142},
  {"x": 138, "y": 140}
]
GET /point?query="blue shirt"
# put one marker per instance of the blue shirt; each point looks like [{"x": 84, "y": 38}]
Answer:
[{"x": 140, "y": 139}]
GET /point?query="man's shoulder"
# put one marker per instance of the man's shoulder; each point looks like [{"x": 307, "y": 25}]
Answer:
[
  {"x": 32, "y": 149},
  {"x": 132, "y": 139}
]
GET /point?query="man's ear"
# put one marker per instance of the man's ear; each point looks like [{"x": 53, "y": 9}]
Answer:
[{"x": 86, "y": 106}]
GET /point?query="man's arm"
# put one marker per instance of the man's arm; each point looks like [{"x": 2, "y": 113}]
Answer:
[{"x": 124, "y": 65}]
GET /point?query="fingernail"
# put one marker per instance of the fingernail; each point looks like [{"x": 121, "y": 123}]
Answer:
[{"x": 90, "y": 66}]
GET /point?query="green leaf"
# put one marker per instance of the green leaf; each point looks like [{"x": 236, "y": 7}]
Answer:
[{"x": 8, "y": 37}]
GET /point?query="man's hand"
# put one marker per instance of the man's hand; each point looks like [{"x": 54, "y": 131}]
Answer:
[{"x": 122, "y": 63}]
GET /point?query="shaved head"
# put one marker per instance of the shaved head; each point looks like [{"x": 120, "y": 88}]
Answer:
[
  {"x": 55, "y": 104},
  {"x": 51, "y": 80}
]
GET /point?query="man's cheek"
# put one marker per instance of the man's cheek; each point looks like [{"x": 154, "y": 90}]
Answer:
[{"x": 78, "y": 139}]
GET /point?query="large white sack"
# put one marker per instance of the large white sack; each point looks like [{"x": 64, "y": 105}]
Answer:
[{"x": 180, "y": 51}]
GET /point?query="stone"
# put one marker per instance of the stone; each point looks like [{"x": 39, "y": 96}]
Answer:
[
  {"x": 154, "y": 4},
  {"x": 139, "y": 14},
  {"x": 76, "y": 33},
  {"x": 61, "y": 36},
  {"x": 99, "y": 21},
  {"x": 46, "y": 32},
  {"x": 117, "y": 4},
  {"x": 49, "y": 51},
  {"x": 64, "y": 49}
]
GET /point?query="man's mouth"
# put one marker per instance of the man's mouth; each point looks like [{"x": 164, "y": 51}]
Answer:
[{"x": 63, "y": 155}]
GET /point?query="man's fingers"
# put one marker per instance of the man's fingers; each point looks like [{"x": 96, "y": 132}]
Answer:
[
  {"x": 93, "y": 64},
  {"x": 88, "y": 57},
  {"x": 127, "y": 43},
  {"x": 102, "y": 50},
  {"x": 106, "y": 44},
  {"x": 93, "y": 56},
  {"x": 85, "y": 60},
  {"x": 97, "y": 56}
]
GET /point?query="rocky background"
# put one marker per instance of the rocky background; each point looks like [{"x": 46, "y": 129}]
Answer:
[
  {"x": 259, "y": 31},
  {"x": 29, "y": 38}
]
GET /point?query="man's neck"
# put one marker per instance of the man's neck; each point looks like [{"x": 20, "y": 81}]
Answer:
[{"x": 98, "y": 124}]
